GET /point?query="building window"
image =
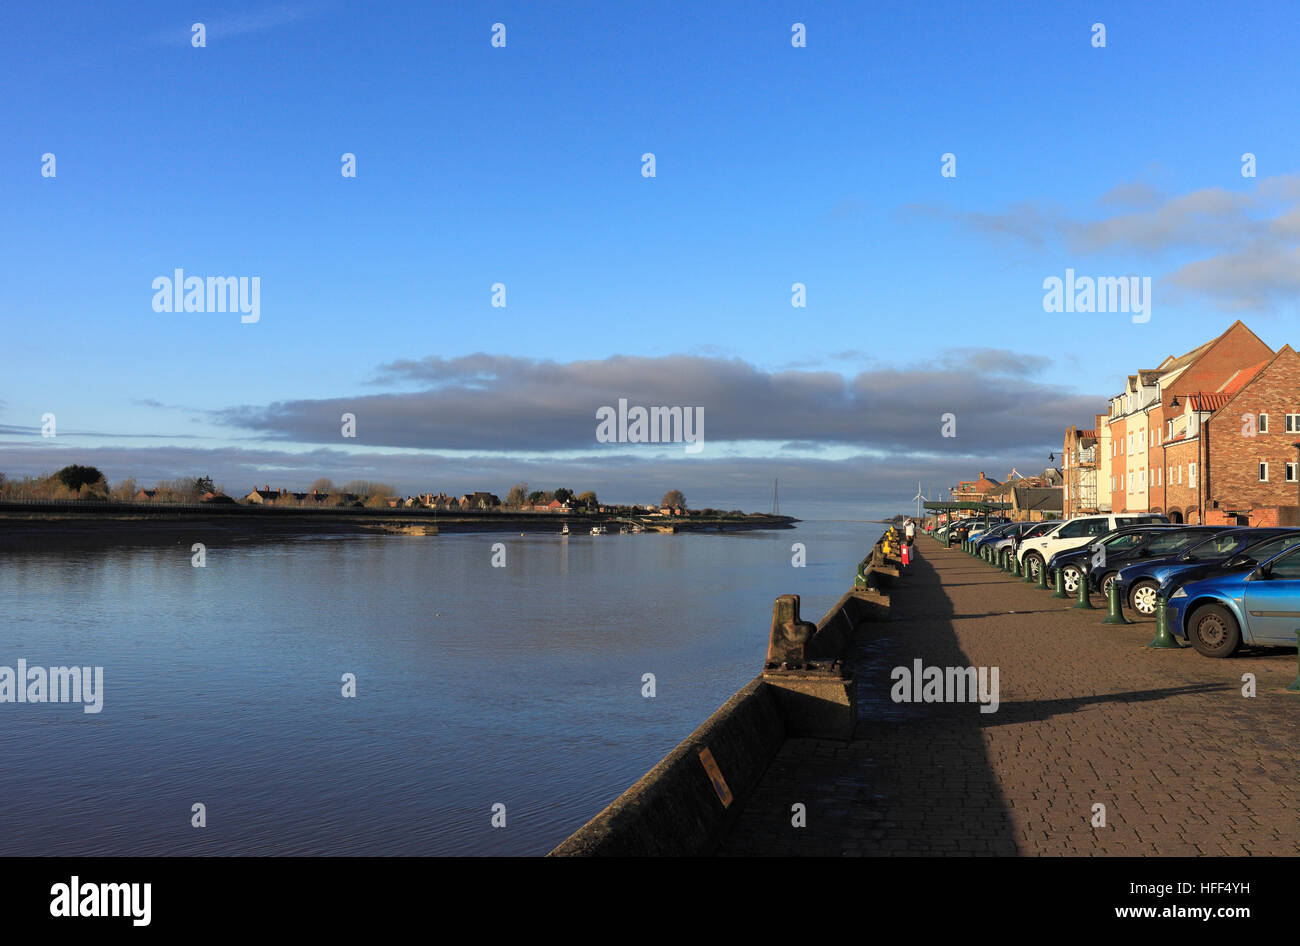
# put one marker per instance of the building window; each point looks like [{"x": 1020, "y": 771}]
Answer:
[
  {"x": 1293, "y": 423},
  {"x": 1262, "y": 427},
  {"x": 1159, "y": 479},
  {"x": 1290, "y": 472},
  {"x": 1191, "y": 474},
  {"x": 1263, "y": 472}
]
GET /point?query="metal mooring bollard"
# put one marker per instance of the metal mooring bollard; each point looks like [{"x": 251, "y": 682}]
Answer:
[
  {"x": 1042, "y": 579},
  {"x": 1060, "y": 584},
  {"x": 1084, "y": 603},
  {"x": 1114, "y": 613},
  {"x": 1163, "y": 639}
]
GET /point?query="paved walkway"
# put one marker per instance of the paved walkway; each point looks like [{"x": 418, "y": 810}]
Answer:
[{"x": 1182, "y": 761}]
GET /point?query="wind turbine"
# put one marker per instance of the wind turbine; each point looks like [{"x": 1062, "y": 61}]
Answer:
[{"x": 918, "y": 497}]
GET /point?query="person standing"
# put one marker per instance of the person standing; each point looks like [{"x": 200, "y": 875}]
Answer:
[{"x": 909, "y": 530}]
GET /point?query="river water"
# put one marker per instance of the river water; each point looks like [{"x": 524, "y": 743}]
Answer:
[{"x": 476, "y": 685}]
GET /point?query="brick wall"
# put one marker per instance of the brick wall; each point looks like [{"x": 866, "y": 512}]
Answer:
[
  {"x": 1234, "y": 456},
  {"x": 1119, "y": 465},
  {"x": 1181, "y": 496}
]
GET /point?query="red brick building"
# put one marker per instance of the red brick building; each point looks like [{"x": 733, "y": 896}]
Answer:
[
  {"x": 1139, "y": 419},
  {"x": 1249, "y": 468},
  {"x": 975, "y": 490}
]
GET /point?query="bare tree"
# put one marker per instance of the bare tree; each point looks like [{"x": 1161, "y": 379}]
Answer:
[{"x": 673, "y": 497}]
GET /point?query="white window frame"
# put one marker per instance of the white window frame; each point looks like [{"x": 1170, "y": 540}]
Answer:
[
  {"x": 1261, "y": 424},
  {"x": 1191, "y": 474},
  {"x": 1293, "y": 423},
  {"x": 1290, "y": 472},
  {"x": 1263, "y": 471}
]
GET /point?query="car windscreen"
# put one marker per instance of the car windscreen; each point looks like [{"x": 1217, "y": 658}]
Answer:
[
  {"x": 1262, "y": 551},
  {"x": 1173, "y": 540},
  {"x": 1041, "y": 529},
  {"x": 1219, "y": 546},
  {"x": 1122, "y": 540}
]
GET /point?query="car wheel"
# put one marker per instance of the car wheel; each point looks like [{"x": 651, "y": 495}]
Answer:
[
  {"x": 1033, "y": 561},
  {"x": 1213, "y": 631},
  {"x": 1142, "y": 597},
  {"x": 1106, "y": 582},
  {"x": 1070, "y": 576}
]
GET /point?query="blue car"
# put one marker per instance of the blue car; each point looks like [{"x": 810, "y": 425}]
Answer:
[
  {"x": 1139, "y": 582},
  {"x": 1246, "y": 559},
  {"x": 1259, "y": 605}
]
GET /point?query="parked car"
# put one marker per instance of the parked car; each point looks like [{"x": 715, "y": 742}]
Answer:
[
  {"x": 993, "y": 523},
  {"x": 1118, "y": 548},
  {"x": 983, "y": 538},
  {"x": 1246, "y": 605},
  {"x": 1139, "y": 582},
  {"x": 1034, "y": 553},
  {"x": 1016, "y": 534},
  {"x": 1249, "y": 556}
]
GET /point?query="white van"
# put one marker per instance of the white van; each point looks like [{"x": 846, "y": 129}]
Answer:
[{"x": 1074, "y": 533}]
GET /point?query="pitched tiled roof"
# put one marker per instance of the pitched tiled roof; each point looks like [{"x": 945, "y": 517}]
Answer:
[
  {"x": 1241, "y": 378},
  {"x": 1208, "y": 401}
]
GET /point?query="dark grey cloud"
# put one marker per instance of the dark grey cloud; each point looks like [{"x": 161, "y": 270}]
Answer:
[{"x": 494, "y": 403}]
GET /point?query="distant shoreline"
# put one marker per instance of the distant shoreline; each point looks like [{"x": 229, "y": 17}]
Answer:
[{"x": 27, "y": 527}]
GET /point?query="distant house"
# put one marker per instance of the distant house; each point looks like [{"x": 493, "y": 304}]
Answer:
[
  {"x": 144, "y": 495},
  {"x": 553, "y": 506},
  {"x": 211, "y": 497},
  {"x": 263, "y": 497},
  {"x": 479, "y": 500}
]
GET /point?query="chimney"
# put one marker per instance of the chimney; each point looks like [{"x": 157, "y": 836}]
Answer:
[{"x": 981, "y": 474}]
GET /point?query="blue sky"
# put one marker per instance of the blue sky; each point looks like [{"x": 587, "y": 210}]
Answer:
[{"x": 521, "y": 165}]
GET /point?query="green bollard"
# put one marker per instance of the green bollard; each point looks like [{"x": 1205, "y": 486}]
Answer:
[
  {"x": 1114, "y": 613},
  {"x": 1295, "y": 686},
  {"x": 1163, "y": 639},
  {"x": 1060, "y": 585},
  {"x": 1029, "y": 575},
  {"x": 1042, "y": 579},
  {"x": 1084, "y": 603}
]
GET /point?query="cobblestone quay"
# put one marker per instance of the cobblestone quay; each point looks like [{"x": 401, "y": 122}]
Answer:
[{"x": 1182, "y": 761}]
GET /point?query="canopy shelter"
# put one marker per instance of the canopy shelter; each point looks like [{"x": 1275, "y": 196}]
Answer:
[
  {"x": 941, "y": 506},
  {"x": 944, "y": 509}
]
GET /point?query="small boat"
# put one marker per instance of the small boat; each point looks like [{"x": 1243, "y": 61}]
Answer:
[
  {"x": 565, "y": 530},
  {"x": 595, "y": 530}
]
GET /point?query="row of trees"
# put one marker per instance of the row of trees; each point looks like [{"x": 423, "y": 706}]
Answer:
[
  {"x": 520, "y": 497},
  {"x": 87, "y": 482}
]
